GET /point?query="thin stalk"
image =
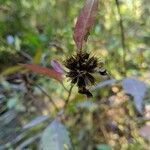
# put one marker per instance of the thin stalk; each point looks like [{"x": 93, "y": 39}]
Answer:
[
  {"x": 64, "y": 86},
  {"x": 122, "y": 35},
  {"x": 49, "y": 97},
  {"x": 61, "y": 112},
  {"x": 68, "y": 98}
]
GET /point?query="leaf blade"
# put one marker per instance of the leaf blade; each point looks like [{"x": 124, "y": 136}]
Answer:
[
  {"x": 55, "y": 136},
  {"x": 135, "y": 88},
  {"x": 11, "y": 70},
  {"x": 84, "y": 22},
  {"x": 35, "y": 121},
  {"x": 44, "y": 71}
]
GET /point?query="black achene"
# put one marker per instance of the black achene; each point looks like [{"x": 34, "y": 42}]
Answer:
[{"x": 81, "y": 67}]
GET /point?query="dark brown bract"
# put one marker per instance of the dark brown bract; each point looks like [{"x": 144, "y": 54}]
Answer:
[{"x": 81, "y": 67}]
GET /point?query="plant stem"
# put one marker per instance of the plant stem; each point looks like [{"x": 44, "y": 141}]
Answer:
[
  {"x": 122, "y": 36},
  {"x": 68, "y": 98},
  {"x": 49, "y": 97},
  {"x": 64, "y": 86}
]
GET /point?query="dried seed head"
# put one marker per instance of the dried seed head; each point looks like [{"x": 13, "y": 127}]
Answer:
[
  {"x": 80, "y": 70},
  {"x": 81, "y": 67}
]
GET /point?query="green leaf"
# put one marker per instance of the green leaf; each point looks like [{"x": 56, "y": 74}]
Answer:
[
  {"x": 11, "y": 70},
  {"x": 55, "y": 136},
  {"x": 37, "y": 57}
]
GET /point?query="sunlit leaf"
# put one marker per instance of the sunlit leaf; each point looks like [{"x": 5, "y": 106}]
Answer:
[
  {"x": 55, "y": 136},
  {"x": 56, "y": 66},
  {"x": 35, "y": 122},
  {"x": 11, "y": 70},
  {"x": 137, "y": 89},
  {"x": 44, "y": 71},
  {"x": 84, "y": 22},
  {"x": 37, "y": 56}
]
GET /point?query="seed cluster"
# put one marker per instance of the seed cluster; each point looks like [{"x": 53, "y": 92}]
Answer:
[{"x": 81, "y": 67}]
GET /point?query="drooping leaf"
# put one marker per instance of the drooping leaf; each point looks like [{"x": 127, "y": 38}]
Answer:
[
  {"x": 55, "y": 136},
  {"x": 44, "y": 71},
  {"x": 103, "y": 84},
  {"x": 35, "y": 121},
  {"x": 84, "y": 22},
  {"x": 56, "y": 66},
  {"x": 137, "y": 89}
]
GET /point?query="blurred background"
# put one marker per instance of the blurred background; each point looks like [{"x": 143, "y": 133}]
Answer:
[{"x": 117, "y": 117}]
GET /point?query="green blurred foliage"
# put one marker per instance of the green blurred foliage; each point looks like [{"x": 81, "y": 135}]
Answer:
[{"x": 39, "y": 31}]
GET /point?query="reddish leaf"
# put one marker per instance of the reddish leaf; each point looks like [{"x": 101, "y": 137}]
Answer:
[
  {"x": 43, "y": 70},
  {"x": 84, "y": 22}
]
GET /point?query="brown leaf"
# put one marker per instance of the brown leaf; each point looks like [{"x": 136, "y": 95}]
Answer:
[
  {"x": 44, "y": 71},
  {"x": 84, "y": 22}
]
